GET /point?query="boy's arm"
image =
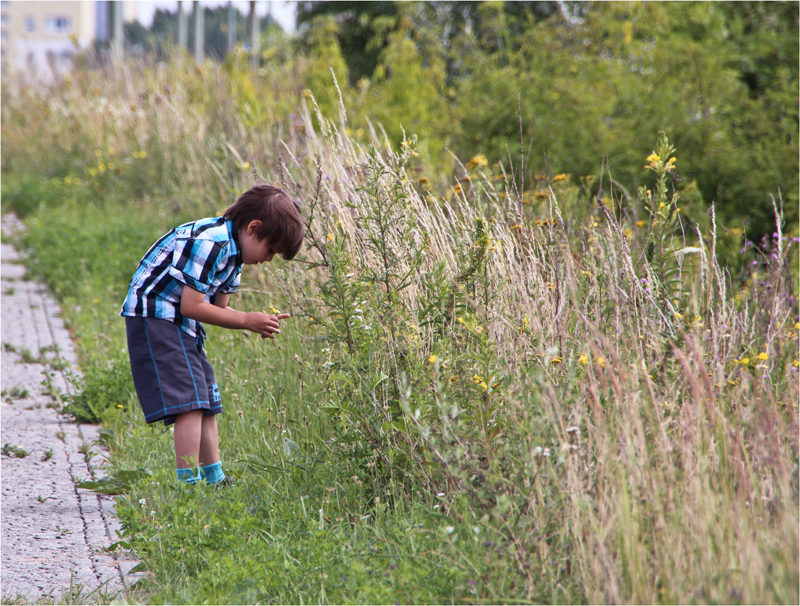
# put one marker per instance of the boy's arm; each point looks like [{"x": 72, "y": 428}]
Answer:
[
  {"x": 221, "y": 300},
  {"x": 195, "y": 306}
]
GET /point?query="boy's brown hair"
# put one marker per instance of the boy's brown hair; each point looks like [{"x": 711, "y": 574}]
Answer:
[{"x": 281, "y": 221}]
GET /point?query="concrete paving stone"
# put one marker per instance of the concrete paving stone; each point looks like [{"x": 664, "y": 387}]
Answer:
[{"x": 52, "y": 544}]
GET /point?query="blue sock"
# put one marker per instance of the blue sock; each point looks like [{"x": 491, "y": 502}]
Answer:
[
  {"x": 213, "y": 473},
  {"x": 187, "y": 476}
]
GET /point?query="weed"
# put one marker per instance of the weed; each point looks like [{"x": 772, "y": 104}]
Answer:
[
  {"x": 10, "y": 450},
  {"x": 15, "y": 393},
  {"x": 9, "y": 348},
  {"x": 48, "y": 454},
  {"x": 42, "y": 499}
]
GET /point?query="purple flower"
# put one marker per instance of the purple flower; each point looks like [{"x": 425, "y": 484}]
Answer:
[{"x": 742, "y": 251}]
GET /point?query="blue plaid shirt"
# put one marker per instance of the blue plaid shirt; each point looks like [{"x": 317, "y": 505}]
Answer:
[{"x": 203, "y": 255}]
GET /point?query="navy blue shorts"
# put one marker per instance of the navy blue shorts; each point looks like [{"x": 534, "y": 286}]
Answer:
[{"x": 170, "y": 371}]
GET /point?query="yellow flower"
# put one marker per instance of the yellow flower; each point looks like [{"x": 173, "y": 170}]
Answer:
[
  {"x": 763, "y": 356},
  {"x": 525, "y": 321},
  {"x": 641, "y": 223},
  {"x": 112, "y": 151},
  {"x": 432, "y": 358},
  {"x": 600, "y": 361},
  {"x": 653, "y": 159},
  {"x": 628, "y": 233},
  {"x": 95, "y": 300},
  {"x": 273, "y": 310},
  {"x": 583, "y": 359},
  {"x": 797, "y": 325},
  {"x": 678, "y": 316},
  {"x": 101, "y": 167},
  {"x": 744, "y": 361},
  {"x": 120, "y": 406},
  {"x": 98, "y": 153},
  {"x": 555, "y": 361},
  {"x": 477, "y": 161},
  {"x": 795, "y": 363},
  {"x": 245, "y": 166},
  {"x": 330, "y": 237},
  {"x": 68, "y": 180},
  {"x": 516, "y": 226},
  {"x": 560, "y": 177}
]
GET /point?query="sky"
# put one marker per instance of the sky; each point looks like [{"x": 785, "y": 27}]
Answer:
[{"x": 282, "y": 10}]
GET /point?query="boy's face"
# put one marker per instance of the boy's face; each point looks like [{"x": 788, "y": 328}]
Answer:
[{"x": 254, "y": 250}]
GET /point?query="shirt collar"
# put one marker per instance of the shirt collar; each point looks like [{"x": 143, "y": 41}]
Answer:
[{"x": 233, "y": 234}]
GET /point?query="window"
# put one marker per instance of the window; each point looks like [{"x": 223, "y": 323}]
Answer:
[
  {"x": 30, "y": 24},
  {"x": 57, "y": 25}
]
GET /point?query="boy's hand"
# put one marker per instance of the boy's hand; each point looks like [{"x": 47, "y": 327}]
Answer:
[{"x": 264, "y": 324}]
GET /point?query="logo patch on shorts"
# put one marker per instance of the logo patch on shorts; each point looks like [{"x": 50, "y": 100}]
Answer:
[{"x": 215, "y": 393}]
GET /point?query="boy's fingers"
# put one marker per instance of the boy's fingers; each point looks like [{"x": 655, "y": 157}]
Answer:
[{"x": 283, "y": 316}]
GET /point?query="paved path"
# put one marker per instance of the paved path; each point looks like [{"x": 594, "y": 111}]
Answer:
[{"x": 53, "y": 535}]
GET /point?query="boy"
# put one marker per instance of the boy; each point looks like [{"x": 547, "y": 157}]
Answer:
[{"x": 186, "y": 278}]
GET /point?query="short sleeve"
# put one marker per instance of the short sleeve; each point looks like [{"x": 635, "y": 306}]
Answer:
[{"x": 195, "y": 262}]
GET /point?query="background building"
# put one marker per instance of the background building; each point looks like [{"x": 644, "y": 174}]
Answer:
[{"x": 44, "y": 36}]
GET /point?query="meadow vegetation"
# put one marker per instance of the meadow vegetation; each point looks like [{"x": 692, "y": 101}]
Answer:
[{"x": 498, "y": 384}]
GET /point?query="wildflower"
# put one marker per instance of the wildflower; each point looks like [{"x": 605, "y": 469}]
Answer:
[
  {"x": 479, "y": 382},
  {"x": 763, "y": 356},
  {"x": 628, "y": 233},
  {"x": 600, "y": 361},
  {"x": 460, "y": 320},
  {"x": 678, "y": 316},
  {"x": 457, "y": 188},
  {"x": 797, "y": 325},
  {"x": 795, "y": 363},
  {"x": 273, "y": 310},
  {"x": 120, "y": 406},
  {"x": 653, "y": 159},
  {"x": 583, "y": 359},
  {"x": 477, "y": 161},
  {"x": 641, "y": 223},
  {"x": 330, "y": 237},
  {"x": 245, "y": 166},
  {"x": 432, "y": 358},
  {"x": 98, "y": 153},
  {"x": 101, "y": 167},
  {"x": 516, "y": 226},
  {"x": 95, "y": 300},
  {"x": 142, "y": 502},
  {"x": 560, "y": 177},
  {"x": 112, "y": 151},
  {"x": 555, "y": 361},
  {"x": 744, "y": 361},
  {"x": 424, "y": 182},
  {"x": 525, "y": 321},
  {"x": 68, "y": 180}
]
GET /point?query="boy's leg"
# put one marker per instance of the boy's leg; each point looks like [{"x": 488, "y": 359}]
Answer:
[
  {"x": 209, "y": 441},
  {"x": 187, "y": 438},
  {"x": 210, "y": 466}
]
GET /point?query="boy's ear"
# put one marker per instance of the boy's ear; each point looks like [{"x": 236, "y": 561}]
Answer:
[{"x": 253, "y": 227}]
